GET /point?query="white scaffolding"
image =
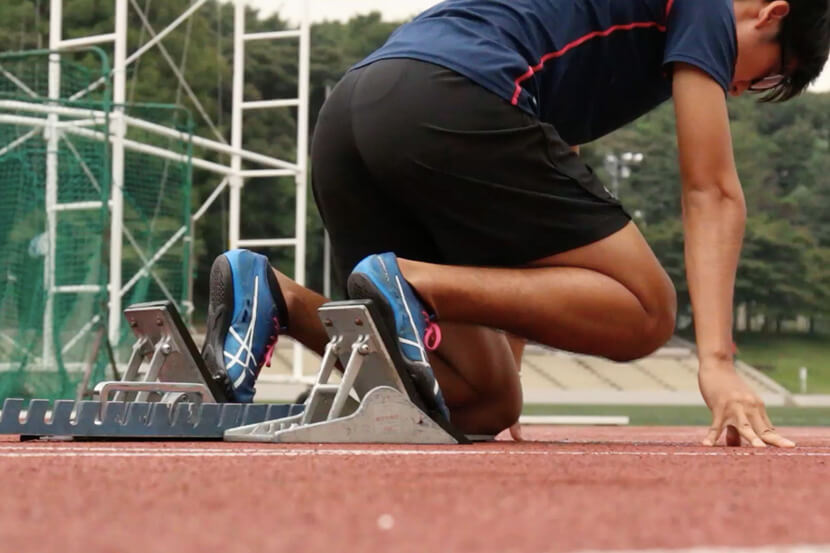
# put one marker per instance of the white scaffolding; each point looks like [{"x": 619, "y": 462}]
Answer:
[{"x": 233, "y": 175}]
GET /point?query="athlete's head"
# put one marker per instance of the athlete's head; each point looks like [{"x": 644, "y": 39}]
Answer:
[{"x": 782, "y": 46}]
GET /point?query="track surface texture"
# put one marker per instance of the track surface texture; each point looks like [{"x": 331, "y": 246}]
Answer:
[{"x": 567, "y": 489}]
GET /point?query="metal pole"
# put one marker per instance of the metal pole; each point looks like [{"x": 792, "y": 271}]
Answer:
[
  {"x": 119, "y": 131},
  {"x": 52, "y": 138},
  {"x": 236, "y": 181},
  {"x": 302, "y": 162}
]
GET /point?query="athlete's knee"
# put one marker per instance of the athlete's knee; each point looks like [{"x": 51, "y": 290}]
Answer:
[
  {"x": 659, "y": 330},
  {"x": 657, "y": 325}
]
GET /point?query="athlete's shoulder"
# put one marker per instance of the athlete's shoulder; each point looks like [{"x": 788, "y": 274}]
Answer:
[{"x": 703, "y": 33}]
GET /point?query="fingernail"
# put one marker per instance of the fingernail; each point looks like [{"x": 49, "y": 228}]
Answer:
[
  {"x": 707, "y": 443},
  {"x": 758, "y": 443}
]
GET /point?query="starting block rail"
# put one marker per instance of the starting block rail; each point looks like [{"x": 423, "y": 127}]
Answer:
[{"x": 132, "y": 420}]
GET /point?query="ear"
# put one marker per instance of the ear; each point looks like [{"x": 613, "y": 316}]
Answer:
[{"x": 772, "y": 13}]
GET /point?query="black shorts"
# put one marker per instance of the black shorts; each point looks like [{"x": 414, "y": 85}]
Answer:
[{"x": 415, "y": 159}]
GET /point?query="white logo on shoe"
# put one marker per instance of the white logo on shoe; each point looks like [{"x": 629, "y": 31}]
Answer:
[
  {"x": 417, "y": 344},
  {"x": 246, "y": 344}
]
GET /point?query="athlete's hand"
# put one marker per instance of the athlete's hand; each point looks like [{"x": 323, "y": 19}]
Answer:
[{"x": 736, "y": 407}]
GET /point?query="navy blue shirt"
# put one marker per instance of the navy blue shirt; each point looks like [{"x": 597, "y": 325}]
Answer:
[{"x": 587, "y": 67}]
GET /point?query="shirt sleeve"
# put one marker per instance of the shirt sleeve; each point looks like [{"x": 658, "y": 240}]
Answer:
[{"x": 702, "y": 33}]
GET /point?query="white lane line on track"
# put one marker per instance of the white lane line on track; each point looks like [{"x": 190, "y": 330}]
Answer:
[{"x": 53, "y": 451}]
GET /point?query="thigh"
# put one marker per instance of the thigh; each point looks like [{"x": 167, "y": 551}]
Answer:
[{"x": 626, "y": 257}]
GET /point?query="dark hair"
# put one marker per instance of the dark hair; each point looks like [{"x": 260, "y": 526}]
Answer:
[{"x": 805, "y": 39}]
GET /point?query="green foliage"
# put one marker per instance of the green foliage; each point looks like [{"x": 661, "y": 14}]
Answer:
[{"x": 781, "y": 356}]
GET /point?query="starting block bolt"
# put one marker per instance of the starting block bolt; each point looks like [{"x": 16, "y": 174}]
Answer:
[
  {"x": 364, "y": 349},
  {"x": 328, "y": 322},
  {"x": 133, "y": 324},
  {"x": 166, "y": 349},
  {"x": 358, "y": 322},
  {"x": 159, "y": 321}
]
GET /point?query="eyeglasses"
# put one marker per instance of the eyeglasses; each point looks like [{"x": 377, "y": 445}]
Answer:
[{"x": 766, "y": 83}]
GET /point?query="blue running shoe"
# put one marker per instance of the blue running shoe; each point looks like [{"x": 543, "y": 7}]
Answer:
[
  {"x": 379, "y": 278},
  {"x": 246, "y": 314}
]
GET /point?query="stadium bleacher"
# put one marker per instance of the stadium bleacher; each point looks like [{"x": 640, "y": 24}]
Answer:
[{"x": 669, "y": 376}]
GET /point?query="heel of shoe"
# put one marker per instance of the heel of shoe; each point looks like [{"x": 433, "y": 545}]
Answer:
[{"x": 220, "y": 312}]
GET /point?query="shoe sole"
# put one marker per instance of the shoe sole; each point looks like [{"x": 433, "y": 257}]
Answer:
[
  {"x": 361, "y": 287},
  {"x": 220, "y": 313}
]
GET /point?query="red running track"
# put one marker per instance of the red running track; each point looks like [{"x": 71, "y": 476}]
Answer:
[{"x": 569, "y": 489}]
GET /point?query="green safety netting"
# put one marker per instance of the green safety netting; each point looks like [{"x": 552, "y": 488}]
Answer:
[{"x": 156, "y": 194}]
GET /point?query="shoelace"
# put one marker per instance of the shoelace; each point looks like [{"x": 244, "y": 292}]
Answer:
[
  {"x": 432, "y": 335},
  {"x": 272, "y": 342}
]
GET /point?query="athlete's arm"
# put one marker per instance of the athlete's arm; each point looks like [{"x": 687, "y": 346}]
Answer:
[{"x": 714, "y": 217}]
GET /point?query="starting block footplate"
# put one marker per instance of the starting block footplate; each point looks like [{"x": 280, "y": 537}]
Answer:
[{"x": 384, "y": 416}]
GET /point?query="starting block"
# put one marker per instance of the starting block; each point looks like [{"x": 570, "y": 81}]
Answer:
[{"x": 375, "y": 401}]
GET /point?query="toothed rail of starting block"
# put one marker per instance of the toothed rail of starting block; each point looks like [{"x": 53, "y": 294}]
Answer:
[{"x": 133, "y": 420}]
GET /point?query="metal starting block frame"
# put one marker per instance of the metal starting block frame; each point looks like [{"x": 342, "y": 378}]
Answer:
[
  {"x": 375, "y": 402},
  {"x": 167, "y": 392},
  {"x": 165, "y": 364}
]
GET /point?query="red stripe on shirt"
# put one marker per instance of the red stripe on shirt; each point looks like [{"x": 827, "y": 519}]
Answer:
[{"x": 581, "y": 40}]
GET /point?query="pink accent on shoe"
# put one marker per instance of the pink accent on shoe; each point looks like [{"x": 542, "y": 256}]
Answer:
[
  {"x": 432, "y": 335},
  {"x": 272, "y": 342}
]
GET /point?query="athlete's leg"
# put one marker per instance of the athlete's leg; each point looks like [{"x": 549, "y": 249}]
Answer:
[
  {"x": 610, "y": 298},
  {"x": 479, "y": 377},
  {"x": 475, "y": 366}
]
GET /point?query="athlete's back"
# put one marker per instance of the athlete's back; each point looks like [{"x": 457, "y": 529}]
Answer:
[{"x": 586, "y": 66}]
